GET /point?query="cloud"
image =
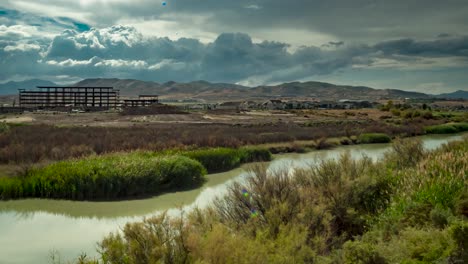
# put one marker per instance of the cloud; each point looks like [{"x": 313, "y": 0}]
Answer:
[
  {"x": 124, "y": 52},
  {"x": 360, "y": 20},
  {"x": 456, "y": 46},
  {"x": 22, "y": 47}
]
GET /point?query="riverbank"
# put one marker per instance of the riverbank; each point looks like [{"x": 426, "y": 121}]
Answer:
[{"x": 303, "y": 146}]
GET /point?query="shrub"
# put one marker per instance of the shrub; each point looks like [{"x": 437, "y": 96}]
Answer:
[
  {"x": 374, "y": 138},
  {"x": 4, "y": 127},
  {"x": 427, "y": 115},
  {"x": 459, "y": 233},
  {"x": 406, "y": 153},
  {"x": 255, "y": 154},
  {"x": 396, "y": 112},
  {"x": 361, "y": 253},
  {"x": 105, "y": 177},
  {"x": 447, "y": 128},
  {"x": 413, "y": 245},
  {"x": 407, "y": 114},
  {"x": 461, "y": 127},
  {"x": 217, "y": 159}
]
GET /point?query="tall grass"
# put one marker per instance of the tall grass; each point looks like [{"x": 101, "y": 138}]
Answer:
[
  {"x": 222, "y": 159},
  {"x": 105, "y": 177},
  {"x": 126, "y": 175},
  {"x": 447, "y": 128},
  {"x": 374, "y": 138},
  {"x": 341, "y": 211}
]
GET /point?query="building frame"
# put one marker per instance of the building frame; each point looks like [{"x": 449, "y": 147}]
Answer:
[{"x": 46, "y": 97}]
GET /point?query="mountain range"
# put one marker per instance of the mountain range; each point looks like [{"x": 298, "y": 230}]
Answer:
[
  {"x": 11, "y": 88},
  {"x": 203, "y": 90}
]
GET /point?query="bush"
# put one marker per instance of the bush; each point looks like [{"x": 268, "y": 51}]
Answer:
[
  {"x": 447, "y": 128},
  {"x": 407, "y": 114},
  {"x": 216, "y": 159},
  {"x": 222, "y": 159},
  {"x": 374, "y": 138},
  {"x": 406, "y": 153},
  {"x": 105, "y": 177},
  {"x": 459, "y": 233},
  {"x": 396, "y": 112},
  {"x": 4, "y": 127},
  {"x": 361, "y": 253},
  {"x": 427, "y": 115},
  {"x": 255, "y": 154}
]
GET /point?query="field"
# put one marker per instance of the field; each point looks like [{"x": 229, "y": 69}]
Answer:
[
  {"x": 44, "y": 137},
  {"x": 35, "y": 140}
]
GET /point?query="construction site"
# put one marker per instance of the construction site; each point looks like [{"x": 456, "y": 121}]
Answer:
[{"x": 69, "y": 98}]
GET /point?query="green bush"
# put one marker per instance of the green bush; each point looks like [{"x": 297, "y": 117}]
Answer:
[
  {"x": 407, "y": 114},
  {"x": 459, "y": 233},
  {"x": 105, "y": 177},
  {"x": 4, "y": 127},
  {"x": 361, "y": 253},
  {"x": 405, "y": 153},
  {"x": 222, "y": 159},
  {"x": 374, "y": 138},
  {"x": 254, "y": 154},
  {"x": 427, "y": 115},
  {"x": 217, "y": 159},
  {"x": 447, "y": 128}
]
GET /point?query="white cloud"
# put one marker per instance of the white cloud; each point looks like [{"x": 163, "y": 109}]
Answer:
[
  {"x": 254, "y": 7},
  {"x": 136, "y": 64},
  {"x": 174, "y": 27},
  {"x": 98, "y": 62},
  {"x": 22, "y": 47}
]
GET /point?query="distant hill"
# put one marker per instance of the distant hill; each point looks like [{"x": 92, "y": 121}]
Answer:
[
  {"x": 11, "y": 88},
  {"x": 223, "y": 91},
  {"x": 460, "y": 94}
]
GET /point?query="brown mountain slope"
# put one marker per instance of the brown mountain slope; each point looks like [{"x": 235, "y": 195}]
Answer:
[{"x": 222, "y": 91}]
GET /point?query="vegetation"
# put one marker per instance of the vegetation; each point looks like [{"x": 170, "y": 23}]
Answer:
[
  {"x": 126, "y": 175},
  {"x": 4, "y": 127},
  {"x": 105, "y": 177},
  {"x": 447, "y": 128},
  {"x": 222, "y": 159},
  {"x": 44, "y": 143},
  {"x": 374, "y": 138},
  {"x": 403, "y": 209}
]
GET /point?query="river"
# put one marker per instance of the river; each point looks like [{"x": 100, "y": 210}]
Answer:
[{"x": 31, "y": 229}]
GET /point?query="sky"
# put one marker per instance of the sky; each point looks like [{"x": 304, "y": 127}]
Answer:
[{"x": 416, "y": 45}]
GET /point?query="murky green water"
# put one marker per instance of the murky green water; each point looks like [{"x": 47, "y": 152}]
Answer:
[{"x": 30, "y": 229}]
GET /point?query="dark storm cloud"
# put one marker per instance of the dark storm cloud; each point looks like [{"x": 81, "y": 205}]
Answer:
[
  {"x": 440, "y": 47},
  {"x": 121, "y": 51},
  {"x": 357, "y": 20}
]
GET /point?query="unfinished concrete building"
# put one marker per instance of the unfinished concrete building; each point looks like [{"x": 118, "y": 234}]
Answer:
[{"x": 89, "y": 98}]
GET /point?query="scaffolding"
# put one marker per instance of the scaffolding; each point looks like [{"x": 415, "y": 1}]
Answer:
[{"x": 47, "y": 97}]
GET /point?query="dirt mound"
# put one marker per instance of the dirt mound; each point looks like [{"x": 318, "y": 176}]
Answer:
[{"x": 159, "y": 109}]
